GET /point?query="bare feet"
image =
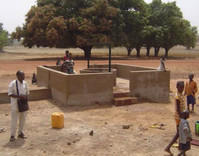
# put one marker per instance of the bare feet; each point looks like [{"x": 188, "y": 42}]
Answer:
[{"x": 168, "y": 151}]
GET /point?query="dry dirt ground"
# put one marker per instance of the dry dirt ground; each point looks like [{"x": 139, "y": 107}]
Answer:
[{"x": 109, "y": 138}]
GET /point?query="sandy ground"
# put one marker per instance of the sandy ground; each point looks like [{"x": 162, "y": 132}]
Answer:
[{"x": 109, "y": 139}]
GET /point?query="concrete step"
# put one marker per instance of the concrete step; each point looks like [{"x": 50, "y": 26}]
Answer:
[
  {"x": 41, "y": 93},
  {"x": 122, "y": 101},
  {"x": 121, "y": 94}
]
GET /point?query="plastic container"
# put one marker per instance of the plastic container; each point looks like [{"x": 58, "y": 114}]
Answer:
[
  {"x": 57, "y": 120},
  {"x": 197, "y": 128}
]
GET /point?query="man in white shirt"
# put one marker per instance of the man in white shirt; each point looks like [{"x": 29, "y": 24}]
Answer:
[{"x": 15, "y": 114}]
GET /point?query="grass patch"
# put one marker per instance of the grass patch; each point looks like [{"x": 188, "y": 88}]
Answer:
[{"x": 22, "y": 52}]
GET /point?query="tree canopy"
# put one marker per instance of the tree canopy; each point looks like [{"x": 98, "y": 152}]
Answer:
[{"x": 86, "y": 23}]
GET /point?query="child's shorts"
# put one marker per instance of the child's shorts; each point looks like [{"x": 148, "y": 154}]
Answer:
[
  {"x": 191, "y": 99},
  {"x": 185, "y": 147}
]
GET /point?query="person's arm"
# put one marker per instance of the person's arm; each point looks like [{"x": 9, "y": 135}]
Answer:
[
  {"x": 11, "y": 91},
  {"x": 186, "y": 87},
  {"x": 14, "y": 96},
  {"x": 27, "y": 91},
  {"x": 195, "y": 88}
]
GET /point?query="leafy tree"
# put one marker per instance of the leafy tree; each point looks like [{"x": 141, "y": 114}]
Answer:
[
  {"x": 152, "y": 38},
  {"x": 170, "y": 27},
  {"x": 17, "y": 34},
  {"x": 190, "y": 37},
  {"x": 3, "y": 37},
  {"x": 87, "y": 23},
  {"x": 66, "y": 23},
  {"x": 134, "y": 20}
]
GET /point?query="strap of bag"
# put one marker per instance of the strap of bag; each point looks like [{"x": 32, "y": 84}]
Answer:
[{"x": 17, "y": 88}]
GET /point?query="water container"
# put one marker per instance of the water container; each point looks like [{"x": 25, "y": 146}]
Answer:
[
  {"x": 197, "y": 128},
  {"x": 57, "y": 120}
]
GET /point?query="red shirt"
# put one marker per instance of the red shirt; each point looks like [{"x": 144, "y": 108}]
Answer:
[{"x": 66, "y": 58}]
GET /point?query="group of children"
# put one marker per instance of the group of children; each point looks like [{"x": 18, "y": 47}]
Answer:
[
  {"x": 68, "y": 63},
  {"x": 182, "y": 114}
]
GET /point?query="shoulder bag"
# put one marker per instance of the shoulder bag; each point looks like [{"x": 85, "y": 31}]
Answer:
[{"x": 22, "y": 103}]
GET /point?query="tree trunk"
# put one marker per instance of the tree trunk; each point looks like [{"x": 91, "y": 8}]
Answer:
[
  {"x": 87, "y": 54},
  {"x": 157, "y": 49},
  {"x": 129, "y": 50},
  {"x": 166, "y": 52},
  {"x": 1, "y": 49},
  {"x": 148, "y": 51},
  {"x": 138, "y": 51}
]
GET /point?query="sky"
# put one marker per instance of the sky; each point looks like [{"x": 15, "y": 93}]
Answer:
[{"x": 12, "y": 12}]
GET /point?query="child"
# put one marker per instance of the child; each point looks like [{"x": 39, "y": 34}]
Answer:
[
  {"x": 70, "y": 64},
  {"x": 184, "y": 134},
  {"x": 190, "y": 91},
  {"x": 180, "y": 107}
]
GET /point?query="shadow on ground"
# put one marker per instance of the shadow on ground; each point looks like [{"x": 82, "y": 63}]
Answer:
[{"x": 79, "y": 108}]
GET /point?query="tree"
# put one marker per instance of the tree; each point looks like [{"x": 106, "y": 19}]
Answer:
[
  {"x": 170, "y": 27},
  {"x": 66, "y": 23},
  {"x": 134, "y": 19},
  {"x": 190, "y": 37},
  {"x": 3, "y": 37},
  {"x": 17, "y": 34}
]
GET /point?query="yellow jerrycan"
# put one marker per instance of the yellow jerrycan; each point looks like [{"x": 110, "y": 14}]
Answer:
[{"x": 57, "y": 120}]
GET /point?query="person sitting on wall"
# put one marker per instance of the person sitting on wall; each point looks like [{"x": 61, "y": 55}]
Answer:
[
  {"x": 162, "y": 65},
  {"x": 64, "y": 67},
  {"x": 67, "y": 66},
  {"x": 70, "y": 64},
  {"x": 66, "y": 57},
  {"x": 34, "y": 78}
]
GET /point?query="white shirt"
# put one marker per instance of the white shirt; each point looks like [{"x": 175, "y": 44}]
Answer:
[
  {"x": 12, "y": 89},
  {"x": 184, "y": 131},
  {"x": 162, "y": 66}
]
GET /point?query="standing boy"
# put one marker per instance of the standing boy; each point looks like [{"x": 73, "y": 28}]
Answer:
[
  {"x": 184, "y": 134},
  {"x": 179, "y": 108},
  {"x": 190, "y": 91}
]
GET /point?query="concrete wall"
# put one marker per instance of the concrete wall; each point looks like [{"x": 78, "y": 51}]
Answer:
[
  {"x": 43, "y": 76},
  {"x": 72, "y": 89},
  {"x": 101, "y": 70},
  {"x": 123, "y": 70},
  {"x": 151, "y": 85},
  {"x": 77, "y": 89},
  {"x": 35, "y": 94}
]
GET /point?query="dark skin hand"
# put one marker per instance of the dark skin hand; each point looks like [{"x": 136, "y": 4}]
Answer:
[{"x": 19, "y": 97}]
